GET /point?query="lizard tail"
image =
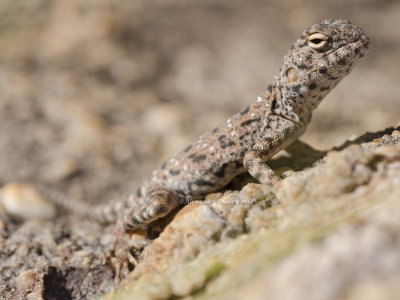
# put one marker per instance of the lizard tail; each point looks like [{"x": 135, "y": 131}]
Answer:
[{"x": 104, "y": 213}]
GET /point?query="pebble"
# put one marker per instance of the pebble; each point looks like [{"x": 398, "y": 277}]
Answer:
[
  {"x": 163, "y": 118},
  {"x": 24, "y": 202},
  {"x": 61, "y": 168},
  {"x": 26, "y": 280},
  {"x": 396, "y": 133}
]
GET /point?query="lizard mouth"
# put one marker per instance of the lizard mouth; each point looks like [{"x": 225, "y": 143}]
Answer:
[
  {"x": 356, "y": 48},
  {"x": 361, "y": 46}
]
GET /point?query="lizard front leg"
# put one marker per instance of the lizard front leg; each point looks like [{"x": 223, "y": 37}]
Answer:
[
  {"x": 254, "y": 160},
  {"x": 158, "y": 203},
  {"x": 257, "y": 168}
]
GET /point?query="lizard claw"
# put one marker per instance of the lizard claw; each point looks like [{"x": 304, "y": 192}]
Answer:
[{"x": 123, "y": 254}]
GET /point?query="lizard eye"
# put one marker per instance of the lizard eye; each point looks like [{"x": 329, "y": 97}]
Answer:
[{"x": 318, "y": 42}]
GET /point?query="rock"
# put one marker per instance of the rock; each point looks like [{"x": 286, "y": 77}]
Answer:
[
  {"x": 24, "y": 202},
  {"x": 166, "y": 121},
  {"x": 323, "y": 233},
  {"x": 60, "y": 169},
  {"x": 200, "y": 225},
  {"x": 29, "y": 285}
]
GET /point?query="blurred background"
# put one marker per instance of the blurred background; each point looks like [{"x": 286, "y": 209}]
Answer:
[{"x": 95, "y": 93}]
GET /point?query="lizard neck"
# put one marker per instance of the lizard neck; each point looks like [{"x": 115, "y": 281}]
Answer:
[
  {"x": 295, "y": 106},
  {"x": 286, "y": 107}
]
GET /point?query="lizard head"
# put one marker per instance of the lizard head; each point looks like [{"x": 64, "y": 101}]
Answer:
[{"x": 323, "y": 55}]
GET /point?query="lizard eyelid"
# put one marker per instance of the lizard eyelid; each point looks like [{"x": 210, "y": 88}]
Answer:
[{"x": 318, "y": 42}]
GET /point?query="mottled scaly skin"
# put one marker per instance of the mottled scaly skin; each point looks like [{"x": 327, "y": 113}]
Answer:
[{"x": 323, "y": 55}]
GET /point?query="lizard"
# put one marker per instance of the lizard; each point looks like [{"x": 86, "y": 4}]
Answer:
[{"x": 321, "y": 57}]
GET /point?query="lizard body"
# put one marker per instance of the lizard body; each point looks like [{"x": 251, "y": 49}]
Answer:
[{"x": 323, "y": 55}]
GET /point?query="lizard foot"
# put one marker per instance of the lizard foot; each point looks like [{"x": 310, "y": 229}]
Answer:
[
  {"x": 124, "y": 253},
  {"x": 158, "y": 203}
]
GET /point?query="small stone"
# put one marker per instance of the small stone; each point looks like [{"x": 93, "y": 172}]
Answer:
[
  {"x": 82, "y": 259},
  {"x": 29, "y": 285},
  {"x": 396, "y": 133},
  {"x": 23, "y": 201},
  {"x": 284, "y": 172},
  {"x": 162, "y": 118},
  {"x": 391, "y": 153},
  {"x": 60, "y": 169},
  {"x": 26, "y": 280}
]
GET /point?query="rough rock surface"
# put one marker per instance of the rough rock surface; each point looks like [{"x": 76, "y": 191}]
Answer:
[{"x": 331, "y": 231}]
